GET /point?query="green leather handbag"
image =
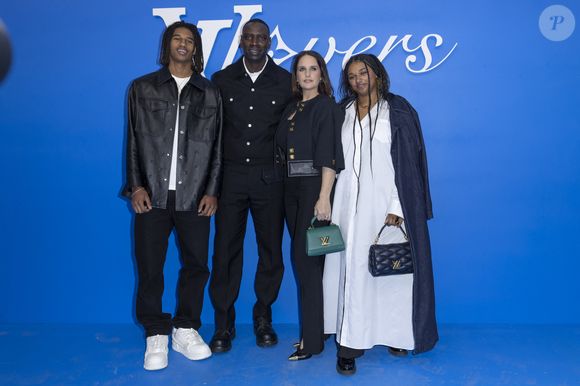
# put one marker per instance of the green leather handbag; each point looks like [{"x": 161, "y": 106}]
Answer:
[{"x": 323, "y": 240}]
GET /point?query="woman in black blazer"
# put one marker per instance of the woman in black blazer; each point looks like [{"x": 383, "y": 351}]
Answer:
[{"x": 308, "y": 141}]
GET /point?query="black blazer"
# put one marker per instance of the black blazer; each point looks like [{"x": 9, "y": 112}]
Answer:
[{"x": 313, "y": 133}]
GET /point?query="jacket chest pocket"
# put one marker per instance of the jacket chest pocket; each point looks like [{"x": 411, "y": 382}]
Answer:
[
  {"x": 202, "y": 122},
  {"x": 152, "y": 116},
  {"x": 273, "y": 103},
  {"x": 383, "y": 131}
]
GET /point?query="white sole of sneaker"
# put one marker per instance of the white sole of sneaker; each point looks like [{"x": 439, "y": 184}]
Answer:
[
  {"x": 160, "y": 366},
  {"x": 204, "y": 354}
]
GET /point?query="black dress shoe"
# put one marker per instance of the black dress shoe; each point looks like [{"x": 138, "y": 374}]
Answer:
[
  {"x": 299, "y": 355},
  {"x": 345, "y": 366},
  {"x": 221, "y": 341},
  {"x": 398, "y": 352},
  {"x": 265, "y": 334}
]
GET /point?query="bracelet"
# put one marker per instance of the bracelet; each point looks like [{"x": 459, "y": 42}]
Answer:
[{"x": 138, "y": 189}]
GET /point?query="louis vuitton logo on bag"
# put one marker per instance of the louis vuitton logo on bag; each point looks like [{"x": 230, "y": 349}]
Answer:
[
  {"x": 396, "y": 264},
  {"x": 323, "y": 239}
]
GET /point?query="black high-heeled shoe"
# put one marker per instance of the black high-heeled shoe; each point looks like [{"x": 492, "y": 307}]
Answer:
[
  {"x": 299, "y": 355},
  {"x": 297, "y": 344}
]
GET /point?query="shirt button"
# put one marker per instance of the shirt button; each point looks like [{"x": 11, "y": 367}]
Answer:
[
  {"x": 182, "y": 132},
  {"x": 273, "y": 102},
  {"x": 248, "y": 143},
  {"x": 168, "y": 154},
  {"x": 179, "y": 182},
  {"x": 249, "y": 125},
  {"x": 181, "y": 157},
  {"x": 182, "y": 107},
  {"x": 231, "y": 99},
  {"x": 165, "y": 179},
  {"x": 252, "y": 89},
  {"x": 247, "y": 160},
  {"x": 173, "y": 104},
  {"x": 251, "y": 107}
]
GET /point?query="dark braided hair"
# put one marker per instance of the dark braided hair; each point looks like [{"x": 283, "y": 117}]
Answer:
[
  {"x": 197, "y": 62},
  {"x": 350, "y": 96},
  {"x": 372, "y": 62}
]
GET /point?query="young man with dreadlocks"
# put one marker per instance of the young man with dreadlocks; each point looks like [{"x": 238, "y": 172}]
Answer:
[
  {"x": 385, "y": 181},
  {"x": 173, "y": 175}
]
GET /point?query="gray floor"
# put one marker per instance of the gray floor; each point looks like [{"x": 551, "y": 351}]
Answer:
[{"x": 465, "y": 355}]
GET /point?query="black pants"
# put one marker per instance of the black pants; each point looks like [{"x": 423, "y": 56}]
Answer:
[
  {"x": 152, "y": 230},
  {"x": 244, "y": 188},
  {"x": 349, "y": 353},
  {"x": 300, "y": 196}
]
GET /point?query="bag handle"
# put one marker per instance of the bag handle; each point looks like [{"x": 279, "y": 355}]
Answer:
[
  {"x": 384, "y": 226},
  {"x": 312, "y": 223}
]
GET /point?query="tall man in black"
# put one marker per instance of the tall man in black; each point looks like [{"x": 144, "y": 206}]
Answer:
[
  {"x": 255, "y": 92},
  {"x": 174, "y": 165}
]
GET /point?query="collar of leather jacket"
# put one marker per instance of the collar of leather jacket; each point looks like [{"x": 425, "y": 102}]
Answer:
[{"x": 196, "y": 80}]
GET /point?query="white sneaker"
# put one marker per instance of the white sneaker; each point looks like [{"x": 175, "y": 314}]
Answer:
[
  {"x": 156, "y": 353},
  {"x": 188, "y": 342}
]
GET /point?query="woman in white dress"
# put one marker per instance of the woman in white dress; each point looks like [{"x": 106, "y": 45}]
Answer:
[{"x": 384, "y": 182}]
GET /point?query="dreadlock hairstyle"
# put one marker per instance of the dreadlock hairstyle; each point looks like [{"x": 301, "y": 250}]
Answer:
[
  {"x": 324, "y": 87},
  {"x": 371, "y": 62},
  {"x": 197, "y": 60}
]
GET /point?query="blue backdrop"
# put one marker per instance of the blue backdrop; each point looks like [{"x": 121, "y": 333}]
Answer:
[{"x": 498, "y": 102}]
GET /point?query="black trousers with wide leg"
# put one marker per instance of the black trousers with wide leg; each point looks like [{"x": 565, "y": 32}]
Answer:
[
  {"x": 300, "y": 196},
  {"x": 349, "y": 353},
  {"x": 246, "y": 189},
  {"x": 152, "y": 230}
]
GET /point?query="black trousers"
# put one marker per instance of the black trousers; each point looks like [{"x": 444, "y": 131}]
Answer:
[
  {"x": 152, "y": 230},
  {"x": 246, "y": 189},
  {"x": 349, "y": 353},
  {"x": 300, "y": 196}
]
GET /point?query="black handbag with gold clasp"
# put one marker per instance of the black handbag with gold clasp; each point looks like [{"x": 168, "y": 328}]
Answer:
[
  {"x": 323, "y": 240},
  {"x": 390, "y": 259}
]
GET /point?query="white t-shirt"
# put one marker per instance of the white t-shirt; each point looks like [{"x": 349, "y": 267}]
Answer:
[
  {"x": 181, "y": 82},
  {"x": 255, "y": 75}
]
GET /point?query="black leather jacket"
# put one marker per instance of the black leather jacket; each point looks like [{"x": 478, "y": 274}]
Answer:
[{"x": 153, "y": 106}]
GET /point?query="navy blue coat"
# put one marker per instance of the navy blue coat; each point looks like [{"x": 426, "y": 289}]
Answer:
[{"x": 412, "y": 181}]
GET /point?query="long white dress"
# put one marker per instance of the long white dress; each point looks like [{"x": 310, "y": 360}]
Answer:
[{"x": 361, "y": 309}]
